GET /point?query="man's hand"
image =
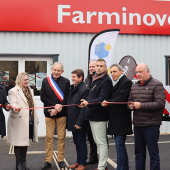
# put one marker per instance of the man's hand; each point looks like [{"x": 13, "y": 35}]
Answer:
[
  {"x": 77, "y": 127},
  {"x": 83, "y": 104},
  {"x": 104, "y": 103},
  {"x": 58, "y": 107},
  {"x": 53, "y": 112},
  {"x": 8, "y": 107},
  {"x": 131, "y": 106},
  {"x": 136, "y": 105}
]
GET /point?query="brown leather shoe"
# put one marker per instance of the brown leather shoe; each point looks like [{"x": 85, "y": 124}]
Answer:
[
  {"x": 74, "y": 166},
  {"x": 81, "y": 167}
]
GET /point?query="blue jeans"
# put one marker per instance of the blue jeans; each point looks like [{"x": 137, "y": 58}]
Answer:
[
  {"x": 147, "y": 136},
  {"x": 79, "y": 139},
  {"x": 122, "y": 157}
]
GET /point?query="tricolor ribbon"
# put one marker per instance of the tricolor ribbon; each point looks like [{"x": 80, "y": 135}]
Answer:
[{"x": 55, "y": 88}]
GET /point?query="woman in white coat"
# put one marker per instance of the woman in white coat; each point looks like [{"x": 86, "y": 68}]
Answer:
[{"x": 22, "y": 123}]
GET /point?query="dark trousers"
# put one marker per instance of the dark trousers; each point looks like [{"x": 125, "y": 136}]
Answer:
[
  {"x": 122, "y": 157},
  {"x": 79, "y": 139},
  {"x": 147, "y": 136},
  {"x": 93, "y": 146}
]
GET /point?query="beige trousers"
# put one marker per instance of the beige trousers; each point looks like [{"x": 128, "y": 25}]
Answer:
[
  {"x": 61, "y": 133},
  {"x": 99, "y": 131}
]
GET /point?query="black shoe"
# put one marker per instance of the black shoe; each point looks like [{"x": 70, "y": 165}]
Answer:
[
  {"x": 92, "y": 161},
  {"x": 47, "y": 165},
  {"x": 18, "y": 165},
  {"x": 23, "y": 163},
  {"x": 62, "y": 164}
]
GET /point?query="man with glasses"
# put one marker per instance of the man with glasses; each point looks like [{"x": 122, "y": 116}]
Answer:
[{"x": 54, "y": 92}]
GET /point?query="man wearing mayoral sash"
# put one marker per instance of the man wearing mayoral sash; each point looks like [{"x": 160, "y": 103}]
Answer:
[{"x": 54, "y": 92}]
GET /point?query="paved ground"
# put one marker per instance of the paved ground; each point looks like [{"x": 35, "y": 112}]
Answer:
[{"x": 36, "y": 155}]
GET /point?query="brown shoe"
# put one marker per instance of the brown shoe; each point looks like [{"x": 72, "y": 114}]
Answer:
[
  {"x": 74, "y": 166},
  {"x": 81, "y": 167}
]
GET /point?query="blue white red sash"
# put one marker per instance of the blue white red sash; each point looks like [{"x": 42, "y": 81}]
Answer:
[{"x": 55, "y": 88}]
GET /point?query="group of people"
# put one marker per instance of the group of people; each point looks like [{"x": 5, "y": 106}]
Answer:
[{"x": 98, "y": 107}]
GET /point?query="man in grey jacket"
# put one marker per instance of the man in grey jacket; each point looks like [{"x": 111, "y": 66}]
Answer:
[{"x": 148, "y": 101}]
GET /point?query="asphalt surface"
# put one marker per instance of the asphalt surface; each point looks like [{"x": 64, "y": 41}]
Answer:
[{"x": 36, "y": 154}]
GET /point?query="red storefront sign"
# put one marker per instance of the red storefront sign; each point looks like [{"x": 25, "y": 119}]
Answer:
[{"x": 90, "y": 16}]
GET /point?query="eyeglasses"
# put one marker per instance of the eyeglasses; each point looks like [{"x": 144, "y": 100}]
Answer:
[{"x": 26, "y": 79}]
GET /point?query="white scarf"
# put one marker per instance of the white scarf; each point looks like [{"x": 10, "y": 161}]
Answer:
[{"x": 115, "y": 82}]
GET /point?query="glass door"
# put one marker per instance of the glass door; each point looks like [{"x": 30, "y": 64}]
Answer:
[{"x": 37, "y": 69}]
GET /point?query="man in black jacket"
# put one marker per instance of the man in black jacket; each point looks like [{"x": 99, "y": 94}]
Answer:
[
  {"x": 75, "y": 118},
  {"x": 93, "y": 148},
  {"x": 120, "y": 123},
  {"x": 95, "y": 113},
  {"x": 3, "y": 101},
  {"x": 54, "y": 92}
]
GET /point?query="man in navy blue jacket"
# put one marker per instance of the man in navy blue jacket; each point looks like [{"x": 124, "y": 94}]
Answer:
[
  {"x": 75, "y": 118},
  {"x": 95, "y": 113}
]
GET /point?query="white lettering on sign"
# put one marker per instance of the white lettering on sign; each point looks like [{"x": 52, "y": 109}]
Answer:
[
  {"x": 125, "y": 69},
  {"x": 114, "y": 16},
  {"x": 61, "y": 13},
  {"x": 89, "y": 15},
  {"x": 152, "y": 19},
  {"x": 169, "y": 20},
  {"x": 79, "y": 18},
  {"x": 131, "y": 15},
  {"x": 161, "y": 21},
  {"x": 108, "y": 17},
  {"x": 124, "y": 16}
]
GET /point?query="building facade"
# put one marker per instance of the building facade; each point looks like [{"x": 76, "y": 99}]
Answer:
[{"x": 34, "y": 48}]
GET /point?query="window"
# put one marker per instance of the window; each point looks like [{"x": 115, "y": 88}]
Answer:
[
  {"x": 36, "y": 66},
  {"x": 37, "y": 71},
  {"x": 8, "y": 73}
]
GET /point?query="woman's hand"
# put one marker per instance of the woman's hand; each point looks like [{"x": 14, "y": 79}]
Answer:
[{"x": 17, "y": 109}]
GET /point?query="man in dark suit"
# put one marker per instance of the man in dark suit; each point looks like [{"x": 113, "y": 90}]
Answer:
[
  {"x": 75, "y": 118},
  {"x": 120, "y": 123}
]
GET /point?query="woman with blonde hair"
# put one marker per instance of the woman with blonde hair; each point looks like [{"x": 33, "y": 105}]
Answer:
[{"x": 22, "y": 123}]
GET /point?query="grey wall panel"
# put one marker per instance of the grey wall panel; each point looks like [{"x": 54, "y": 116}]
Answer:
[{"x": 73, "y": 49}]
